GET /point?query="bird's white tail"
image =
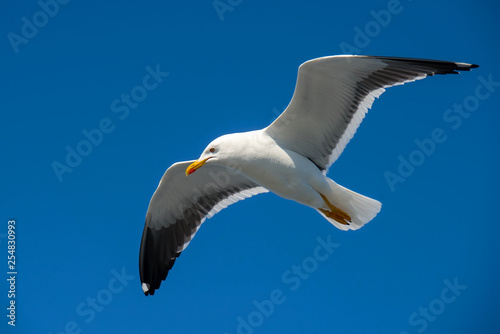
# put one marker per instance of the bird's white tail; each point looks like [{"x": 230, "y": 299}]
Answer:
[{"x": 360, "y": 208}]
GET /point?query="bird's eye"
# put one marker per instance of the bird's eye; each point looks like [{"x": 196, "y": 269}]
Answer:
[{"x": 212, "y": 150}]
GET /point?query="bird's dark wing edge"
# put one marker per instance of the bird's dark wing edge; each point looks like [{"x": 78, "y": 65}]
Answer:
[
  {"x": 333, "y": 94},
  {"x": 178, "y": 208}
]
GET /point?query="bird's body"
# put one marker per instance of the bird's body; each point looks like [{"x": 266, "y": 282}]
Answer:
[
  {"x": 284, "y": 172},
  {"x": 296, "y": 176},
  {"x": 290, "y": 157}
]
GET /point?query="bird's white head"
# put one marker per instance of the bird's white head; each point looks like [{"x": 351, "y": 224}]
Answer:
[{"x": 220, "y": 152}]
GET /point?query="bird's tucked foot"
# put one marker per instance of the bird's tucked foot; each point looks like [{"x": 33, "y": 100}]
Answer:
[{"x": 335, "y": 213}]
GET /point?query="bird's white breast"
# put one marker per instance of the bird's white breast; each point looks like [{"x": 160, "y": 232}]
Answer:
[{"x": 284, "y": 172}]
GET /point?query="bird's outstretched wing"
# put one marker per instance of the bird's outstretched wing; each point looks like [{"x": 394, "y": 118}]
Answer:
[
  {"x": 333, "y": 94},
  {"x": 178, "y": 208}
]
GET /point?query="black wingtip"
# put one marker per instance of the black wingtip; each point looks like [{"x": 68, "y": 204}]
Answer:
[
  {"x": 155, "y": 261},
  {"x": 146, "y": 288},
  {"x": 462, "y": 67},
  {"x": 465, "y": 66}
]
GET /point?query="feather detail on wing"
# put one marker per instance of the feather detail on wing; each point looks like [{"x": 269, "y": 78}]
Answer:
[
  {"x": 178, "y": 208},
  {"x": 333, "y": 94}
]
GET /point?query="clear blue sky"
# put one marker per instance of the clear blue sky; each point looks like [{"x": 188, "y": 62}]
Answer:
[{"x": 427, "y": 263}]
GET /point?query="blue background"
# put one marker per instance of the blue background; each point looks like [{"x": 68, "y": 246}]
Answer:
[{"x": 229, "y": 73}]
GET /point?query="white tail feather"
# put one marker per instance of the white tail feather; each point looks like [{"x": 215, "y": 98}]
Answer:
[{"x": 360, "y": 208}]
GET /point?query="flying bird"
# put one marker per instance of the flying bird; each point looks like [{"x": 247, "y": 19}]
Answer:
[{"x": 290, "y": 157}]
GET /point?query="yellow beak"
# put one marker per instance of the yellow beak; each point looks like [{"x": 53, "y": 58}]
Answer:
[{"x": 195, "y": 165}]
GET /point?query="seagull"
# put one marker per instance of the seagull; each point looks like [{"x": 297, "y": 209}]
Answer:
[{"x": 290, "y": 157}]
